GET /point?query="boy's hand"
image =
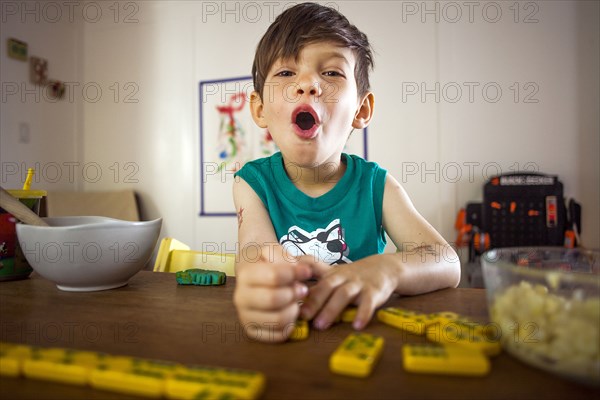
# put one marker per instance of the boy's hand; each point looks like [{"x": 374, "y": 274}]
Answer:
[
  {"x": 266, "y": 296},
  {"x": 367, "y": 283}
]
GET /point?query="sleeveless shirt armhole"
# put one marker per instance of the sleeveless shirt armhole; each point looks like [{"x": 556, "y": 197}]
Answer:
[
  {"x": 378, "y": 189},
  {"x": 253, "y": 177}
]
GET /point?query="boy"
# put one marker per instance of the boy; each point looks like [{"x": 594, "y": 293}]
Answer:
[{"x": 312, "y": 210}]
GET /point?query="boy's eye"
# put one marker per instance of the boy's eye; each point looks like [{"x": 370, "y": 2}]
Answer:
[
  {"x": 332, "y": 73},
  {"x": 284, "y": 73}
]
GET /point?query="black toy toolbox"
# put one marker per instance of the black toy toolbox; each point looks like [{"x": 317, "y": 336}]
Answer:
[{"x": 522, "y": 209}]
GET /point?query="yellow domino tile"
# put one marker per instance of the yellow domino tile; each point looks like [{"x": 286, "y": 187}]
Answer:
[
  {"x": 149, "y": 378},
  {"x": 12, "y": 357},
  {"x": 348, "y": 314},
  {"x": 407, "y": 320},
  {"x": 254, "y": 382},
  {"x": 6, "y": 345},
  {"x": 18, "y": 351},
  {"x": 442, "y": 318},
  {"x": 61, "y": 365},
  {"x": 461, "y": 335},
  {"x": 22, "y": 351},
  {"x": 210, "y": 394},
  {"x": 10, "y": 366},
  {"x": 449, "y": 317},
  {"x": 202, "y": 371},
  {"x": 116, "y": 363},
  {"x": 166, "y": 367},
  {"x": 133, "y": 381},
  {"x": 245, "y": 385},
  {"x": 49, "y": 353},
  {"x": 56, "y": 370},
  {"x": 433, "y": 358},
  {"x": 132, "y": 375},
  {"x": 467, "y": 325},
  {"x": 124, "y": 363},
  {"x": 87, "y": 359},
  {"x": 300, "y": 331},
  {"x": 357, "y": 355},
  {"x": 464, "y": 323}
]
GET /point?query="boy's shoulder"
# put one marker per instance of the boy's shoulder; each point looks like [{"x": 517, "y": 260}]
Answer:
[
  {"x": 260, "y": 168},
  {"x": 362, "y": 163}
]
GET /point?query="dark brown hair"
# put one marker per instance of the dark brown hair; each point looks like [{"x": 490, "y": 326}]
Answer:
[{"x": 308, "y": 23}]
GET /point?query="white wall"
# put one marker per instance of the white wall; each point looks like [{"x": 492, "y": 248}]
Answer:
[
  {"x": 588, "y": 126},
  {"x": 160, "y": 59},
  {"x": 50, "y": 138}
]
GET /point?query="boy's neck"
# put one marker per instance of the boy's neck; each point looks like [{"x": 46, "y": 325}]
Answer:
[{"x": 318, "y": 180}]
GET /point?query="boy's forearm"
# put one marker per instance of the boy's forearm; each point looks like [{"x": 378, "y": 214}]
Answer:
[
  {"x": 423, "y": 269},
  {"x": 268, "y": 252}
]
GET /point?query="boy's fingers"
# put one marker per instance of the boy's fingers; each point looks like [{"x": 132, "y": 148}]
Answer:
[
  {"x": 364, "y": 312},
  {"x": 270, "y": 274},
  {"x": 300, "y": 291},
  {"x": 340, "y": 299},
  {"x": 302, "y": 271},
  {"x": 268, "y": 326},
  {"x": 319, "y": 293},
  {"x": 318, "y": 269},
  {"x": 270, "y": 298},
  {"x": 255, "y": 332}
]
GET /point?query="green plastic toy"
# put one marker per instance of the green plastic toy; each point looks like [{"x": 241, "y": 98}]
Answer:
[{"x": 200, "y": 277}]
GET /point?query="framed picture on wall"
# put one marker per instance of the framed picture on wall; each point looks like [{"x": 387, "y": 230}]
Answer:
[{"x": 229, "y": 138}]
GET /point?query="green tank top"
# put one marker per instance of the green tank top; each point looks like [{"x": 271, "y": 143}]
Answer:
[{"x": 341, "y": 226}]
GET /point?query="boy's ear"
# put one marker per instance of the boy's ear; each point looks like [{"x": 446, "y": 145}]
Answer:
[
  {"x": 257, "y": 109},
  {"x": 365, "y": 111}
]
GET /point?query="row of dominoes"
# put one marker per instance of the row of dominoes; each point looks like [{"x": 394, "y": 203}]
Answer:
[
  {"x": 445, "y": 327},
  {"x": 460, "y": 347},
  {"x": 129, "y": 375}
]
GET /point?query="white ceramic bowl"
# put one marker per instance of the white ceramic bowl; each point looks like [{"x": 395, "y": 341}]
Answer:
[{"x": 84, "y": 254}]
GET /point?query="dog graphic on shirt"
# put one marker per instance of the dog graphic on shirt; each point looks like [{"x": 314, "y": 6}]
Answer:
[{"x": 326, "y": 245}]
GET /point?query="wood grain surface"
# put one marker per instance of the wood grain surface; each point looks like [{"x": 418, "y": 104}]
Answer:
[{"x": 153, "y": 317}]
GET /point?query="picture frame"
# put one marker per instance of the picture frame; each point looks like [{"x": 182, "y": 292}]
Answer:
[{"x": 16, "y": 49}]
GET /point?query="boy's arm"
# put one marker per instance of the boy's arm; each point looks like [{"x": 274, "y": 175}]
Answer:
[
  {"x": 254, "y": 223},
  {"x": 268, "y": 284},
  {"x": 425, "y": 261}
]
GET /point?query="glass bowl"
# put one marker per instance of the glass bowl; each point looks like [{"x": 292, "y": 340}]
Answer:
[{"x": 545, "y": 304}]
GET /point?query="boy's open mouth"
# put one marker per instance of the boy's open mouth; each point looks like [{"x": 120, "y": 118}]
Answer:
[{"x": 306, "y": 121}]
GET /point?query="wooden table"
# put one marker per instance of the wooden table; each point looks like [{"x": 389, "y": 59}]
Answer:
[{"x": 153, "y": 317}]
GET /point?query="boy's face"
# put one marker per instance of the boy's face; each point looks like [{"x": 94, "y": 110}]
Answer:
[{"x": 311, "y": 105}]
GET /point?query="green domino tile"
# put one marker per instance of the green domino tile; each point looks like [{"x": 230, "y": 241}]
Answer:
[
  {"x": 183, "y": 278},
  {"x": 200, "y": 277}
]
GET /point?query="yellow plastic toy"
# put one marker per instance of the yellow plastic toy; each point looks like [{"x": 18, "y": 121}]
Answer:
[
  {"x": 174, "y": 256},
  {"x": 300, "y": 331},
  {"x": 357, "y": 355},
  {"x": 430, "y": 358},
  {"x": 135, "y": 376},
  {"x": 407, "y": 320}
]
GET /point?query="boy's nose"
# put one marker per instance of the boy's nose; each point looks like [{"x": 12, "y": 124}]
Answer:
[{"x": 308, "y": 86}]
